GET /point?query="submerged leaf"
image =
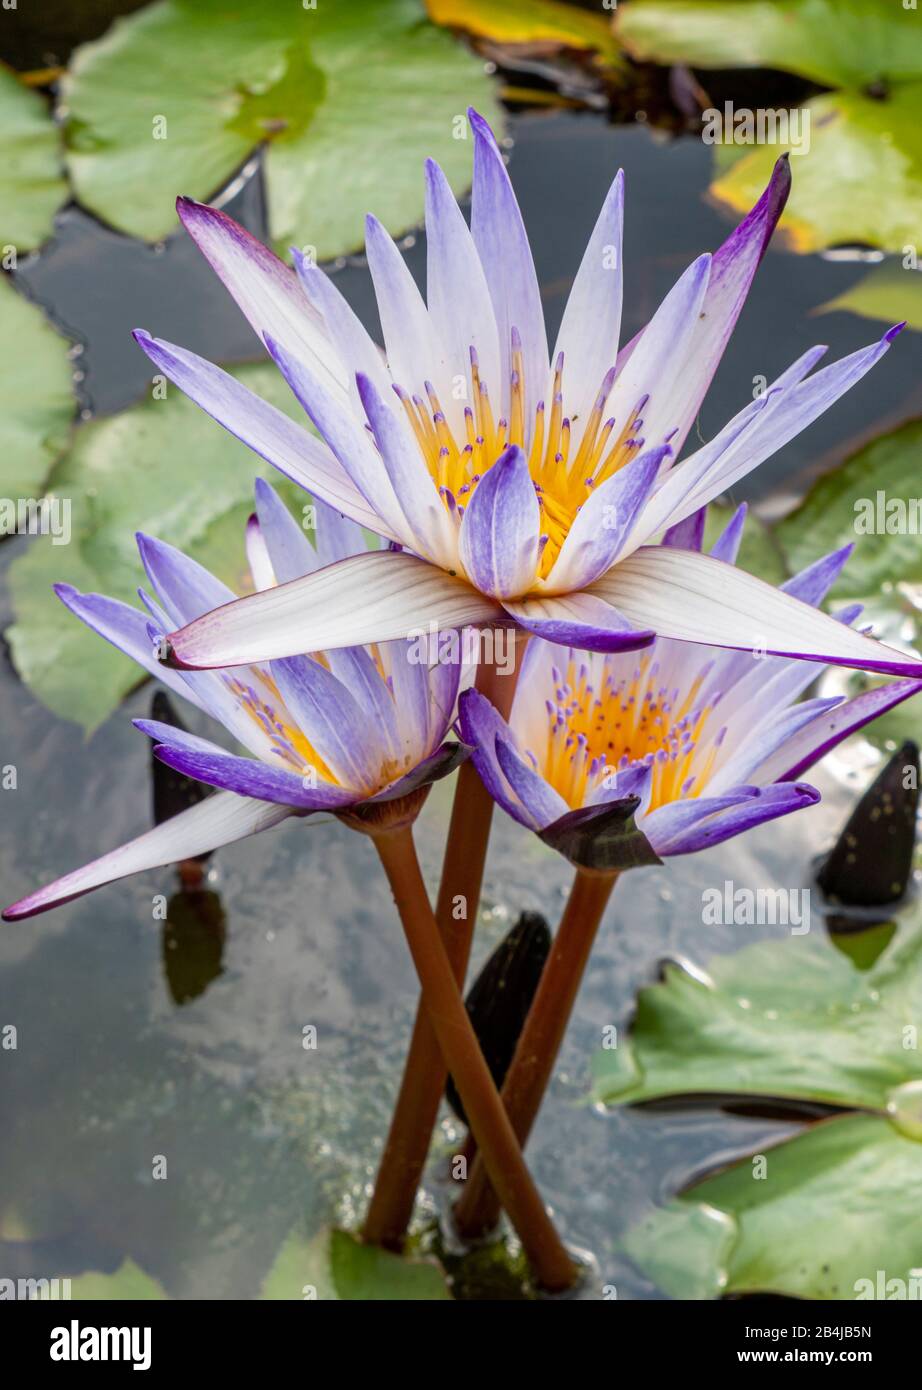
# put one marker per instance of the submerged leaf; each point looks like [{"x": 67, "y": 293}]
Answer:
[{"x": 336, "y": 1265}]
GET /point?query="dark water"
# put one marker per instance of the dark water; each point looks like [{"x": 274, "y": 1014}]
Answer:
[{"x": 259, "y": 1134}]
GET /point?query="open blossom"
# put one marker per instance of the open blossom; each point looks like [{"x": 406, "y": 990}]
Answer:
[
  {"x": 513, "y": 484},
  {"x": 698, "y": 745},
  {"x": 339, "y": 731}
]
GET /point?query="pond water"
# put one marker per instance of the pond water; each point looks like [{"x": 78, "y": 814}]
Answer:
[{"x": 260, "y": 1135}]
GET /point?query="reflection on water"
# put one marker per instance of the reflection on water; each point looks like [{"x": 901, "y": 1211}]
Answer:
[{"x": 146, "y": 1035}]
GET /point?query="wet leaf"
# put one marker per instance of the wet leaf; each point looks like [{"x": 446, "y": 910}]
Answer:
[
  {"x": 888, "y": 293},
  {"x": 836, "y": 43},
  {"x": 544, "y": 22},
  {"x": 31, "y": 184},
  {"x": 860, "y": 181},
  {"x": 335, "y": 1265},
  {"x": 349, "y": 99},
  {"x": 36, "y": 397},
  {"x": 837, "y": 1204},
  {"x": 791, "y": 1019},
  {"x": 127, "y": 473}
]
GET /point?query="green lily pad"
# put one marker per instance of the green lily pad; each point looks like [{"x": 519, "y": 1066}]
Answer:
[
  {"x": 348, "y": 99},
  {"x": 837, "y": 43},
  {"x": 791, "y": 1019},
  {"x": 31, "y": 184},
  {"x": 36, "y": 396},
  {"x": 889, "y": 293},
  {"x": 843, "y": 506},
  {"x": 335, "y": 1264},
  {"x": 836, "y": 1205},
  {"x": 127, "y": 473},
  {"x": 859, "y": 181},
  {"x": 127, "y": 1284}
]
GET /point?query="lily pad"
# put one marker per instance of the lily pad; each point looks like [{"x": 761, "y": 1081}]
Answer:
[
  {"x": 836, "y": 1205},
  {"x": 889, "y": 293},
  {"x": 127, "y": 473},
  {"x": 547, "y": 23},
  {"x": 348, "y": 100},
  {"x": 844, "y": 506},
  {"x": 791, "y": 1019},
  {"x": 31, "y": 184},
  {"x": 36, "y": 396},
  {"x": 334, "y": 1264},
  {"x": 837, "y": 43},
  {"x": 859, "y": 181},
  {"x": 127, "y": 1284}
]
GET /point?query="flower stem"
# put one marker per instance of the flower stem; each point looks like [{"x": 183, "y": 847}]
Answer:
[
  {"x": 477, "y": 1211},
  {"x": 499, "y": 1148},
  {"x": 425, "y": 1073}
]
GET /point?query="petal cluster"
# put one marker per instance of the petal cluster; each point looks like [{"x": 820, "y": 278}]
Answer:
[
  {"x": 513, "y": 482},
  {"x": 706, "y": 743}
]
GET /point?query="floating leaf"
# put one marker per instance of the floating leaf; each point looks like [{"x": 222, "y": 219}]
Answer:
[
  {"x": 31, "y": 184},
  {"x": 791, "y": 1019},
  {"x": 545, "y": 22},
  {"x": 128, "y": 1283},
  {"x": 859, "y": 181},
  {"x": 888, "y": 293},
  {"x": 837, "y": 1204},
  {"x": 349, "y": 98},
  {"x": 851, "y": 503},
  {"x": 36, "y": 397},
  {"x": 334, "y": 1264},
  {"x": 127, "y": 473},
  {"x": 836, "y": 43}
]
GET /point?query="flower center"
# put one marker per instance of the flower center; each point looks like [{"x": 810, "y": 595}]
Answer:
[
  {"x": 563, "y": 473},
  {"x": 600, "y": 721}
]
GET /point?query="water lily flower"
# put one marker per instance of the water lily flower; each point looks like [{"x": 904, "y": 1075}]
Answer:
[
  {"x": 514, "y": 486},
  {"x": 354, "y": 731},
  {"x": 696, "y": 745}
]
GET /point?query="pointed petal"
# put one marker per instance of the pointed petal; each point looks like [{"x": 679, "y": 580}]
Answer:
[
  {"x": 502, "y": 244},
  {"x": 765, "y": 804},
  {"x": 434, "y": 533},
  {"x": 250, "y": 778},
  {"x": 354, "y": 346},
  {"x": 375, "y": 597},
  {"x": 498, "y": 541},
  {"x": 816, "y": 740},
  {"x": 457, "y": 293},
  {"x": 290, "y": 552},
  {"x": 688, "y": 534},
  {"x": 265, "y": 288},
  {"x": 727, "y": 545},
  {"x": 694, "y": 598},
  {"x": 264, "y": 429},
  {"x": 340, "y": 427},
  {"x": 480, "y": 727},
  {"x": 127, "y": 629},
  {"x": 258, "y": 561},
  {"x": 661, "y": 362},
  {"x": 604, "y": 522},
  {"x": 185, "y": 588},
  {"x": 332, "y": 719},
  {"x": 578, "y": 620},
  {"x": 218, "y": 820},
  {"x": 414, "y": 355},
  {"x": 591, "y": 323},
  {"x": 542, "y": 803}
]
